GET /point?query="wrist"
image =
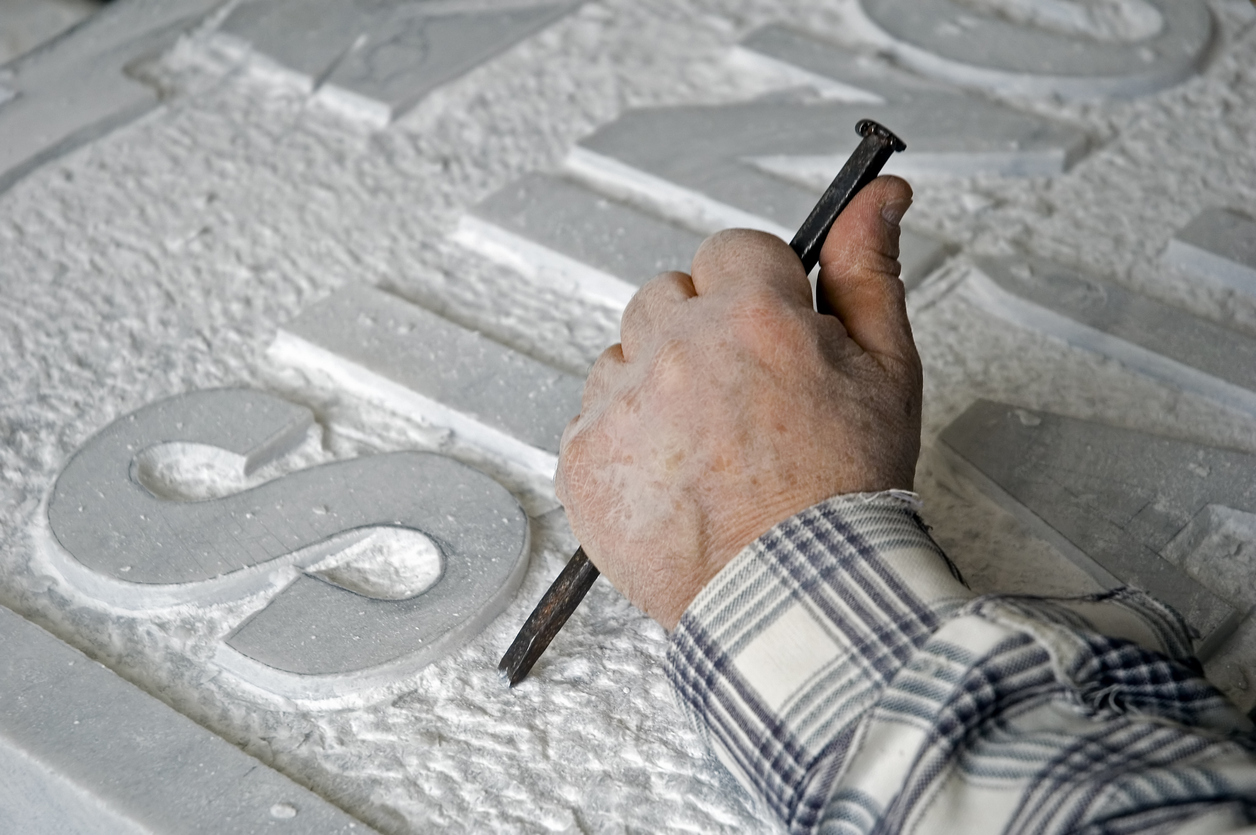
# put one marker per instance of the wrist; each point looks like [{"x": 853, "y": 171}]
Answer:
[{"x": 860, "y": 521}]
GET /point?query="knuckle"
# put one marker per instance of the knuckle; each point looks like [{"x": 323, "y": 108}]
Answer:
[
  {"x": 648, "y": 304},
  {"x": 670, "y": 357},
  {"x": 762, "y": 325},
  {"x": 729, "y": 245},
  {"x": 571, "y": 454},
  {"x": 671, "y": 371},
  {"x": 634, "y": 312},
  {"x": 568, "y": 437}
]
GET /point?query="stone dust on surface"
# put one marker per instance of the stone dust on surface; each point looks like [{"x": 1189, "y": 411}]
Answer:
[{"x": 162, "y": 257}]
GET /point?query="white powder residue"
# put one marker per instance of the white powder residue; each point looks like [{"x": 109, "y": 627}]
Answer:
[
  {"x": 161, "y": 259},
  {"x": 388, "y": 564}
]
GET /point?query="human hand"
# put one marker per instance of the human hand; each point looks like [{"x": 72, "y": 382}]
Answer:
[{"x": 730, "y": 404}]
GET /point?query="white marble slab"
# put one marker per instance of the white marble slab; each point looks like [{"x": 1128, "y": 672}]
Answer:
[
  {"x": 122, "y": 535},
  {"x": 947, "y": 131},
  {"x": 75, "y": 89},
  {"x": 27, "y": 24},
  {"x": 758, "y": 164},
  {"x": 763, "y": 163},
  {"x": 1110, "y": 499},
  {"x": 1048, "y": 47},
  {"x": 416, "y": 362},
  {"x": 1219, "y": 244},
  {"x": 1153, "y": 338},
  {"x": 559, "y": 232},
  {"x": 380, "y": 58},
  {"x": 84, "y": 752}
]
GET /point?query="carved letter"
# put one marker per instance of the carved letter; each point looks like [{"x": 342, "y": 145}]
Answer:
[{"x": 315, "y": 639}]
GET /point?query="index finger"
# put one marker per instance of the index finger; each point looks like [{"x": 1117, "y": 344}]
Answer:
[{"x": 744, "y": 260}]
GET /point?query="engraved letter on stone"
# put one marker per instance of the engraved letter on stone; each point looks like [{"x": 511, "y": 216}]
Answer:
[{"x": 315, "y": 638}]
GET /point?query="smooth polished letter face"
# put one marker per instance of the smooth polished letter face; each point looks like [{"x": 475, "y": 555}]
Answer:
[
  {"x": 1048, "y": 47},
  {"x": 556, "y": 230},
  {"x": 325, "y": 631},
  {"x": 383, "y": 57},
  {"x": 1113, "y": 500},
  {"x": 76, "y": 89},
  {"x": 411, "y": 360},
  {"x": 1219, "y": 244},
  {"x": 1163, "y": 342},
  {"x": 84, "y": 751},
  {"x": 644, "y": 182}
]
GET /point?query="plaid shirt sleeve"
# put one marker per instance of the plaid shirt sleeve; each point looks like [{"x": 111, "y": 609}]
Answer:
[{"x": 840, "y": 669}]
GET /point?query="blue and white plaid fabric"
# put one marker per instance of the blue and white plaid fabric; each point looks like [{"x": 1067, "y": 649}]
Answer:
[{"x": 844, "y": 673}]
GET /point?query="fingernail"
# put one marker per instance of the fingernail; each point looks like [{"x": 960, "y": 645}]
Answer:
[{"x": 893, "y": 212}]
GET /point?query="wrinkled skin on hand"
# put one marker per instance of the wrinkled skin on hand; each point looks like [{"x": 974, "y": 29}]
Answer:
[{"x": 730, "y": 404}]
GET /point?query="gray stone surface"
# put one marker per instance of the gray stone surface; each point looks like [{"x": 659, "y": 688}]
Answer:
[
  {"x": 708, "y": 153},
  {"x": 84, "y": 752},
  {"x": 555, "y": 229},
  {"x": 1056, "y": 49},
  {"x": 1220, "y": 244},
  {"x": 1112, "y": 499},
  {"x": 389, "y": 53},
  {"x": 563, "y": 234},
  {"x": 1156, "y": 339},
  {"x": 1218, "y": 548},
  {"x": 417, "y": 362},
  {"x": 314, "y": 639},
  {"x": 760, "y": 164},
  {"x": 746, "y": 164},
  {"x": 919, "y": 255},
  {"x": 730, "y": 153},
  {"x": 75, "y": 89},
  {"x": 25, "y": 24},
  {"x": 35, "y": 798},
  {"x": 946, "y": 130}
]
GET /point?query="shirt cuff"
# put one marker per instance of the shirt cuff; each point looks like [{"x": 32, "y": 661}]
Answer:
[{"x": 784, "y": 650}]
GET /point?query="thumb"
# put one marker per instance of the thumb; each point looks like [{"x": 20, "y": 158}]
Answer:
[{"x": 859, "y": 269}]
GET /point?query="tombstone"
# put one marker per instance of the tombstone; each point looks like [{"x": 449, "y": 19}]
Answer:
[
  {"x": 75, "y": 89},
  {"x": 1047, "y": 48},
  {"x": 417, "y": 363},
  {"x": 1115, "y": 501},
  {"x": 380, "y": 58},
  {"x": 84, "y": 752},
  {"x": 123, "y": 536},
  {"x": 1153, "y": 338},
  {"x": 1219, "y": 244}
]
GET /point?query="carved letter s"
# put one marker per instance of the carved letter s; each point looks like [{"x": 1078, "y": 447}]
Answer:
[{"x": 314, "y": 639}]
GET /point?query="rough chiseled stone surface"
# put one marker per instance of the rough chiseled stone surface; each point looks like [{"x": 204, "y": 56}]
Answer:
[{"x": 163, "y": 257}]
